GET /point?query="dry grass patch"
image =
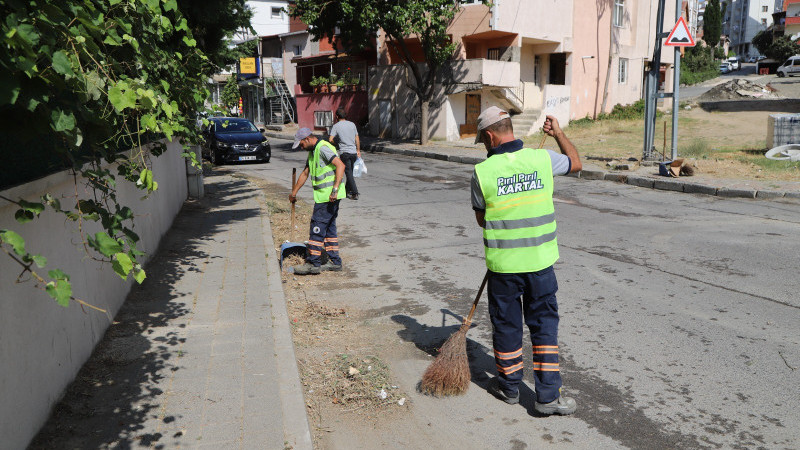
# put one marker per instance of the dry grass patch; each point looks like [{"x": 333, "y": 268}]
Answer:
[{"x": 341, "y": 372}]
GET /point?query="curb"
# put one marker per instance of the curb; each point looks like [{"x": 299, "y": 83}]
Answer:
[
  {"x": 666, "y": 184},
  {"x": 296, "y": 431}
]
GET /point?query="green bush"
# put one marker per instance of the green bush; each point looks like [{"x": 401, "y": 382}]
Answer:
[
  {"x": 626, "y": 112},
  {"x": 689, "y": 78},
  {"x": 634, "y": 111},
  {"x": 698, "y": 65}
]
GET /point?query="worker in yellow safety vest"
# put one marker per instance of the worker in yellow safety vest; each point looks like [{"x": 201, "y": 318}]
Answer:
[
  {"x": 326, "y": 170},
  {"x": 512, "y": 195}
]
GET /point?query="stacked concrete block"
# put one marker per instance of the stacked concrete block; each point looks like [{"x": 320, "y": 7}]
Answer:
[{"x": 783, "y": 129}]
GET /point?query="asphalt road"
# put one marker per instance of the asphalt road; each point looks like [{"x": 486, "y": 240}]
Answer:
[{"x": 679, "y": 324}]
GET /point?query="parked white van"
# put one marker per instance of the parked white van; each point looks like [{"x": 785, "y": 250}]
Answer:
[{"x": 790, "y": 67}]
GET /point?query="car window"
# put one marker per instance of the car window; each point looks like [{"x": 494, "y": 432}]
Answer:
[{"x": 236, "y": 126}]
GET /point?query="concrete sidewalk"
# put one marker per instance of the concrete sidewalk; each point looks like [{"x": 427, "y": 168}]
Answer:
[
  {"x": 466, "y": 152},
  {"x": 200, "y": 355}
]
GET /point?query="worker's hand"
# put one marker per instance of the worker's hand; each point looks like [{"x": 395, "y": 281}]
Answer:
[
  {"x": 333, "y": 196},
  {"x": 292, "y": 198},
  {"x": 358, "y": 153},
  {"x": 551, "y": 127}
]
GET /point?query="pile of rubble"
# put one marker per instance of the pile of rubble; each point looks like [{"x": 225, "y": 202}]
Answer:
[{"x": 738, "y": 89}]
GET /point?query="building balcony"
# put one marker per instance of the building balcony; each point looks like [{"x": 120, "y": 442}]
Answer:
[
  {"x": 482, "y": 72},
  {"x": 790, "y": 2},
  {"x": 792, "y": 21}
]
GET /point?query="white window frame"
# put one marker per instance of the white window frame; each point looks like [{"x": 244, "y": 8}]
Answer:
[
  {"x": 618, "y": 13},
  {"x": 279, "y": 10},
  {"x": 622, "y": 71},
  {"x": 297, "y": 50},
  {"x": 323, "y": 119}
]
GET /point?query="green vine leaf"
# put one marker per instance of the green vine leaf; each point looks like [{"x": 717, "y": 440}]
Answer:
[
  {"x": 139, "y": 275},
  {"x": 122, "y": 265},
  {"x": 61, "y": 291},
  {"x": 62, "y": 121},
  {"x": 39, "y": 260},
  {"x": 122, "y": 97},
  {"x": 58, "y": 274},
  {"x": 104, "y": 244},
  {"x": 62, "y": 64},
  {"x": 13, "y": 239}
]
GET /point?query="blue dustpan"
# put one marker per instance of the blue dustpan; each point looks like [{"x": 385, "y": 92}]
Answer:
[{"x": 292, "y": 248}]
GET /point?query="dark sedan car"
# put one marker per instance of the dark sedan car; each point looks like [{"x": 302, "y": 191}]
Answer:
[{"x": 233, "y": 139}]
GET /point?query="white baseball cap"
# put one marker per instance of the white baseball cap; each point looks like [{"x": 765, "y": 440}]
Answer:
[
  {"x": 301, "y": 134},
  {"x": 489, "y": 116}
]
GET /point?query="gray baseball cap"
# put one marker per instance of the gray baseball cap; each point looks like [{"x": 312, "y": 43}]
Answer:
[
  {"x": 489, "y": 116},
  {"x": 301, "y": 134}
]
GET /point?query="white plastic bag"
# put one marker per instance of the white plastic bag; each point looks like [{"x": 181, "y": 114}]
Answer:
[{"x": 359, "y": 168}]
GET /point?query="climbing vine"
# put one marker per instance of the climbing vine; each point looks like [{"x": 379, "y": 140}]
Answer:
[{"x": 108, "y": 82}]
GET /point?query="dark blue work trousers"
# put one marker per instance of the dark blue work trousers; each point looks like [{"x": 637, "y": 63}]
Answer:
[
  {"x": 322, "y": 235},
  {"x": 514, "y": 297}
]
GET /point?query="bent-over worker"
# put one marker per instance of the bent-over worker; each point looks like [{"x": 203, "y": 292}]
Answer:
[{"x": 326, "y": 170}]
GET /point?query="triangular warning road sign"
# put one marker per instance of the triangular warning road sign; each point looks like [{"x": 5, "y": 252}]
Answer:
[{"x": 680, "y": 36}]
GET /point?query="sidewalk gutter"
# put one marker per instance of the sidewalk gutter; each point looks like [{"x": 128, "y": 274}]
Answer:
[
  {"x": 689, "y": 185},
  {"x": 297, "y": 433}
]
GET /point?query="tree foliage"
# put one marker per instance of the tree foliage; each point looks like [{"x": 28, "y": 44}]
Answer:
[
  {"x": 712, "y": 23},
  {"x": 698, "y": 64},
  {"x": 779, "y": 49},
  {"x": 92, "y": 82},
  {"x": 358, "y": 21},
  {"x": 231, "y": 93},
  {"x": 212, "y": 23}
]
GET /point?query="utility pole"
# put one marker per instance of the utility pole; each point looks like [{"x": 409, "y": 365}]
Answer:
[{"x": 651, "y": 86}]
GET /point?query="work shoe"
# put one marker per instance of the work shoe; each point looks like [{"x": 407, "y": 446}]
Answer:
[
  {"x": 306, "y": 269},
  {"x": 495, "y": 389},
  {"x": 562, "y": 405},
  {"x": 352, "y": 196},
  {"x": 331, "y": 266}
]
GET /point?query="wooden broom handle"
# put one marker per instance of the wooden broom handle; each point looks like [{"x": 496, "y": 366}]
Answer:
[
  {"x": 477, "y": 298},
  {"x": 294, "y": 181}
]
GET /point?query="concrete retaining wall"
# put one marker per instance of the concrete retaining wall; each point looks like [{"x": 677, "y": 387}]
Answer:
[{"x": 43, "y": 345}]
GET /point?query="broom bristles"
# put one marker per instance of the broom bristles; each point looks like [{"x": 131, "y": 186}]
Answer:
[{"x": 449, "y": 373}]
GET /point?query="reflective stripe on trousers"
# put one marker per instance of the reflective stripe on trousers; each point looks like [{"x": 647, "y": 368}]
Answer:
[
  {"x": 528, "y": 297},
  {"x": 322, "y": 235}
]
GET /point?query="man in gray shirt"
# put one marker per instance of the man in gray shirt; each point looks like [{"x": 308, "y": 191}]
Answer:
[{"x": 346, "y": 135}]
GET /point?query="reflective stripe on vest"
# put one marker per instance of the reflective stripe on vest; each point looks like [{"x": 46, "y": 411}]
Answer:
[
  {"x": 520, "y": 231},
  {"x": 323, "y": 177}
]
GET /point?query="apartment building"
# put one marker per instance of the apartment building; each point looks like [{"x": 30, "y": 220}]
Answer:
[
  {"x": 792, "y": 22},
  {"x": 744, "y": 19},
  {"x": 530, "y": 57},
  {"x": 514, "y": 54}
]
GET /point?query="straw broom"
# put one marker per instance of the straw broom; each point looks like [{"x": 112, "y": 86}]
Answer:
[{"x": 449, "y": 373}]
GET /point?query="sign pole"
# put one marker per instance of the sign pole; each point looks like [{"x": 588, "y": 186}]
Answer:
[{"x": 676, "y": 86}]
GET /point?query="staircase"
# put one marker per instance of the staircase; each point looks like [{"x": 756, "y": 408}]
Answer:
[
  {"x": 524, "y": 123},
  {"x": 280, "y": 105}
]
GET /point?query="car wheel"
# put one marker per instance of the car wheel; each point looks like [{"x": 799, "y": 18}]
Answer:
[{"x": 215, "y": 159}]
